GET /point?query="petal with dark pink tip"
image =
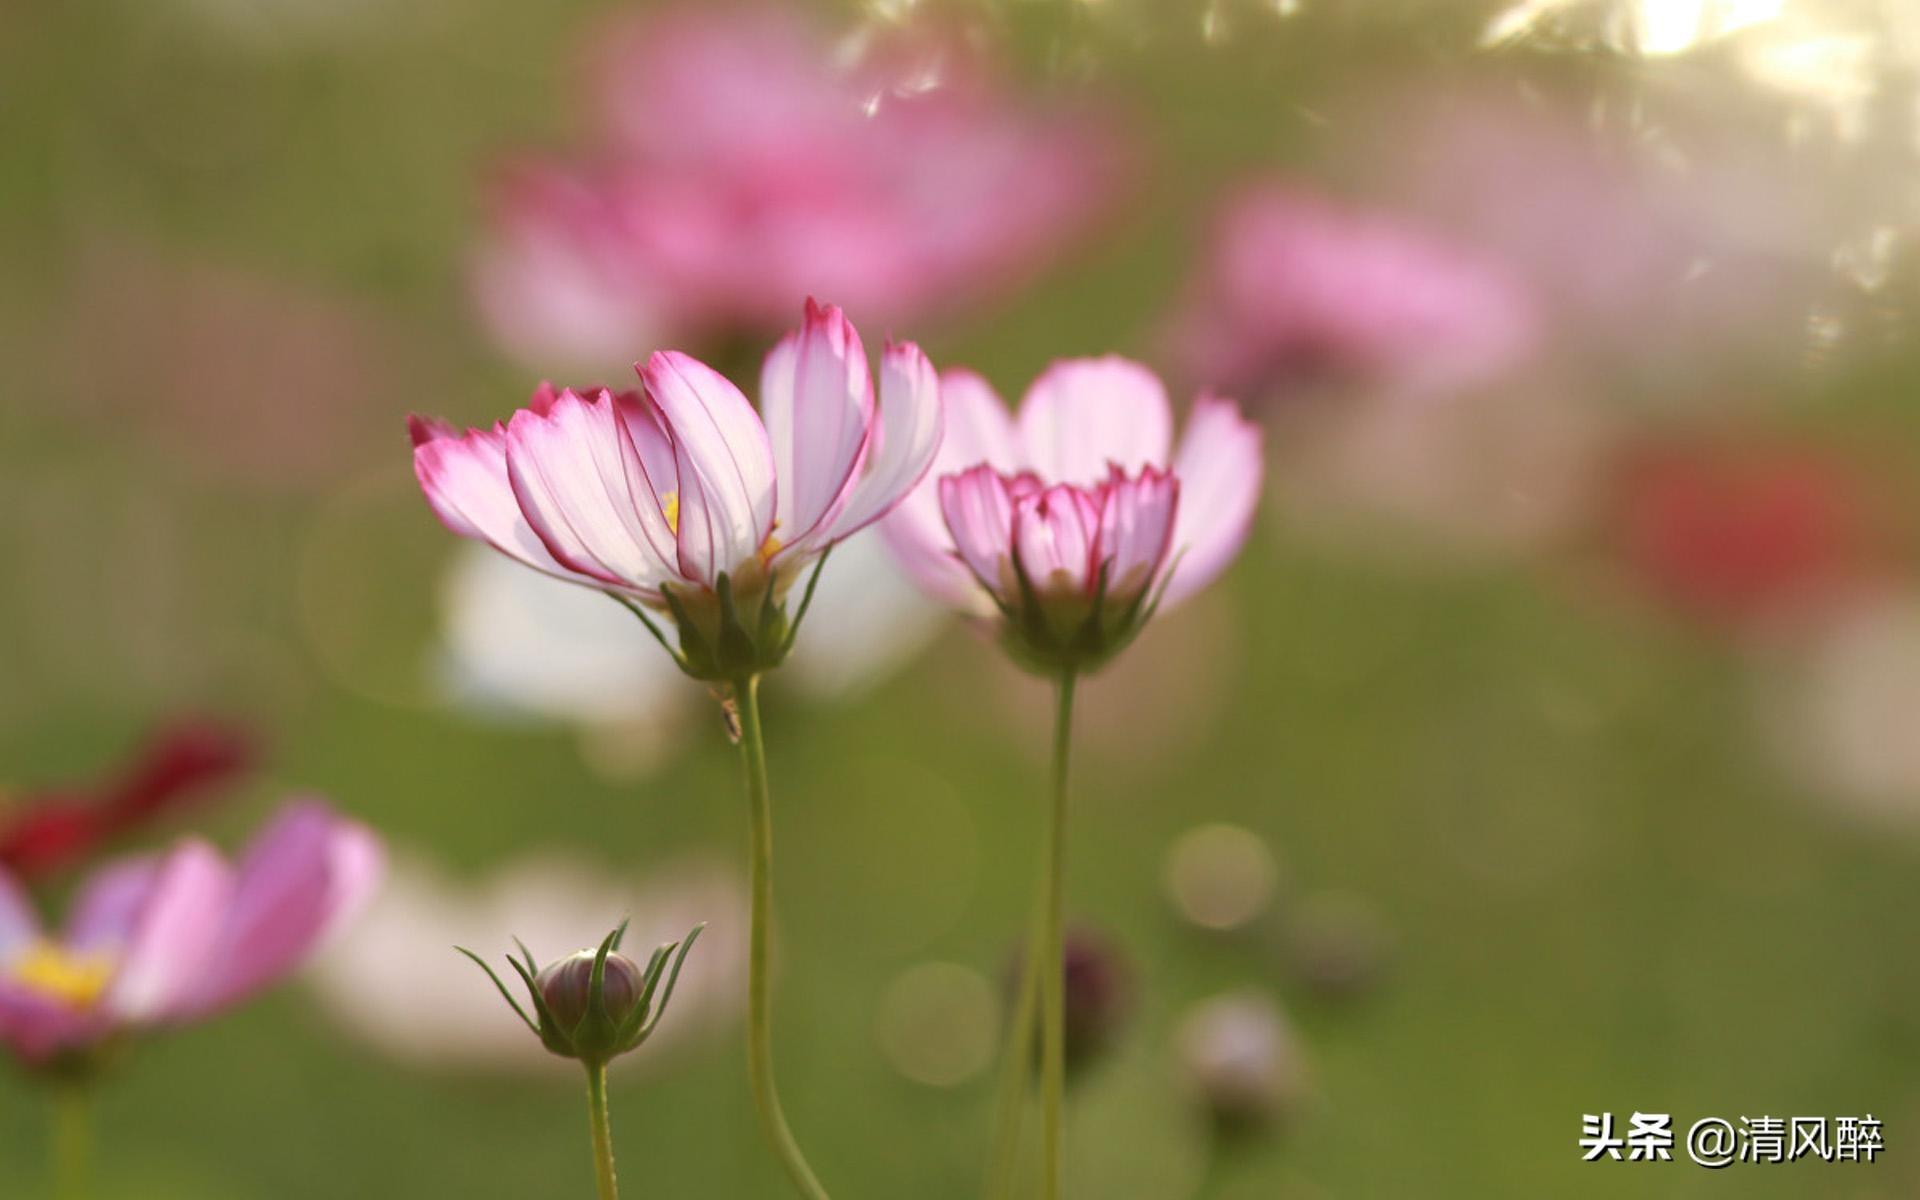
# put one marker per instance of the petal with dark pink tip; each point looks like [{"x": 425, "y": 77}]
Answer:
[
  {"x": 816, "y": 397},
  {"x": 904, "y": 442},
  {"x": 724, "y": 463}
]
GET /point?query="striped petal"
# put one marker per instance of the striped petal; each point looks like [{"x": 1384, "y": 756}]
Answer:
[
  {"x": 1055, "y": 533},
  {"x": 723, "y": 460},
  {"x": 978, "y": 510},
  {"x": 465, "y": 480},
  {"x": 571, "y": 470},
  {"x": 905, "y": 440},
  {"x": 1136, "y": 531},
  {"x": 816, "y": 397}
]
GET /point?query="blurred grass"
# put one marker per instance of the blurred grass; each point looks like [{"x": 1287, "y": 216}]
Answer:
[{"x": 1603, "y": 899}]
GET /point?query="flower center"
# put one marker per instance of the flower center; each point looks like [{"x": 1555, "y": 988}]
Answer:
[
  {"x": 670, "y": 508},
  {"x": 76, "y": 980}
]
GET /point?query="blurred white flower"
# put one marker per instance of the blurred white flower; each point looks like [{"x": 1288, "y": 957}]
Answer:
[
  {"x": 395, "y": 981},
  {"x": 1839, "y": 702},
  {"x": 519, "y": 644}
]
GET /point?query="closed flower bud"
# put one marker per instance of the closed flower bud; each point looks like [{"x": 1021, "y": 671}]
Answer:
[
  {"x": 567, "y": 985},
  {"x": 1242, "y": 1062},
  {"x": 595, "y": 1005}
]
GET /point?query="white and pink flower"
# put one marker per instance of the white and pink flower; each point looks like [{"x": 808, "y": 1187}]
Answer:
[
  {"x": 681, "y": 497},
  {"x": 1075, "y": 518}
]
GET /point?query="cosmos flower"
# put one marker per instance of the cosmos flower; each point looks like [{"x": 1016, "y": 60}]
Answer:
[
  {"x": 1078, "y": 517},
  {"x": 174, "y": 938},
  {"x": 740, "y": 164},
  {"x": 1293, "y": 290},
  {"x": 180, "y": 766},
  {"x": 682, "y": 499}
]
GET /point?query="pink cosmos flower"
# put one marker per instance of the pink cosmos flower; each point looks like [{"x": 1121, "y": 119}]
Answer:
[
  {"x": 740, "y": 164},
  {"x": 1293, "y": 290},
  {"x": 164, "y": 940},
  {"x": 1077, "y": 517},
  {"x": 681, "y": 497}
]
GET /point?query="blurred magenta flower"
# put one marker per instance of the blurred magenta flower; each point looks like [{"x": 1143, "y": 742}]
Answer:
[
  {"x": 174, "y": 938},
  {"x": 1075, "y": 518},
  {"x": 742, "y": 164},
  {"x": 1293, "y": 290},
  {"x": 685, "y": 500},
  {"x": 180, "y": 766}
]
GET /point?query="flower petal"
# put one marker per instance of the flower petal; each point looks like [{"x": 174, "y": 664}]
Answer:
[
  {"x": 977, "y": 429},
  {"x": 171, "y": 943},
  {"x": 1083, "y": 415},
  {"x": 904, "y": 442},
  {"x": 724, "y": 463},
  {"x": 465, "y": 480},
  {"x": 1055, "y": 532},
  {"x": 978, "y": 511},
  {"x": 19, "y": 926},
  {"x": 104, "y": 913},
  {"x": 816, "y": 397},
  {"x": 1220, "y": 468},
  {"x": 1136, "y": 531},
  {"x": 570, "y": 472},
  {"x": 298, "y": 877}
]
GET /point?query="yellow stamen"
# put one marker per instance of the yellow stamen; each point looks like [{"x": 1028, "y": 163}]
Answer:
[
  {"x": 670, "y": 508},
  {"x": 53, "y": 971},
  {"x": 770, "y": 547}
]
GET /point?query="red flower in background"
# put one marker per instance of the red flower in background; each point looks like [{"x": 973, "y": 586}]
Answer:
[
  {"x": 1732, "y": 532},
  {"x": 180, "y": 766}
]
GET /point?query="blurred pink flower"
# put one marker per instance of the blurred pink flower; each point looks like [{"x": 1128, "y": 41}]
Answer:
[
  {"x": 1080, "y": 503},
  {"x": 739, "y": 169},
  {"x": 1294, "y": 290},
  {"x": 673, "y": 487},
  {"x": 175, "y": 938}
]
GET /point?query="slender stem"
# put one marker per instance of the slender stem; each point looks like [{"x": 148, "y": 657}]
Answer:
[
  {"x": 1017, "y": 1069},
  {"x": 1053, "y": 990},
  {"x": 766, "y": 1098},
  {"x": 72, "y": 1142},
  {"x": 602, "y": 1130}
]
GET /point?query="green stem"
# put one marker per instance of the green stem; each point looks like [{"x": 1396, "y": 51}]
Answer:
[
  {"x": 766, "y": 1098},
  {"x": 602, "y": 1130},
  {"x": 1017, "y": 1068},
  {"x": 72, "y": 1143},
  {"x": 1053, "y": 990}
]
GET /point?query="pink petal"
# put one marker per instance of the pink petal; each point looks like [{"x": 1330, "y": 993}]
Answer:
[
  {"x": 171, "y": 944},
  {"x": 1055, "y": 532},
  {"x": 979, "y": 516},
  {"x": 1085, "y": 414},
  {"x": 109, "y": 903},
  {"x": 1220, "y": 468},
  {"x": 297, "y": 878},
  {"x": 905, "y": 441},
  {"x": 570, "y": 471},
  {"x": 816, "y": 398},
  {"x": 19, "y": 925},
  {"x": 35, "y": 1027},
  {"x": 465, "y": 479},
  {"x": 724, "y": 463},
  {"x": 1136, "y": 531},
  {"x": 977, "y": 429}
]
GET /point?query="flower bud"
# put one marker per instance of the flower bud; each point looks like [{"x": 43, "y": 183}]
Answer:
[
  {"x": 1242, "y": 1062},
  {"x": 597, "y": 1004},
  {"x": 566, "y": 986}
]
